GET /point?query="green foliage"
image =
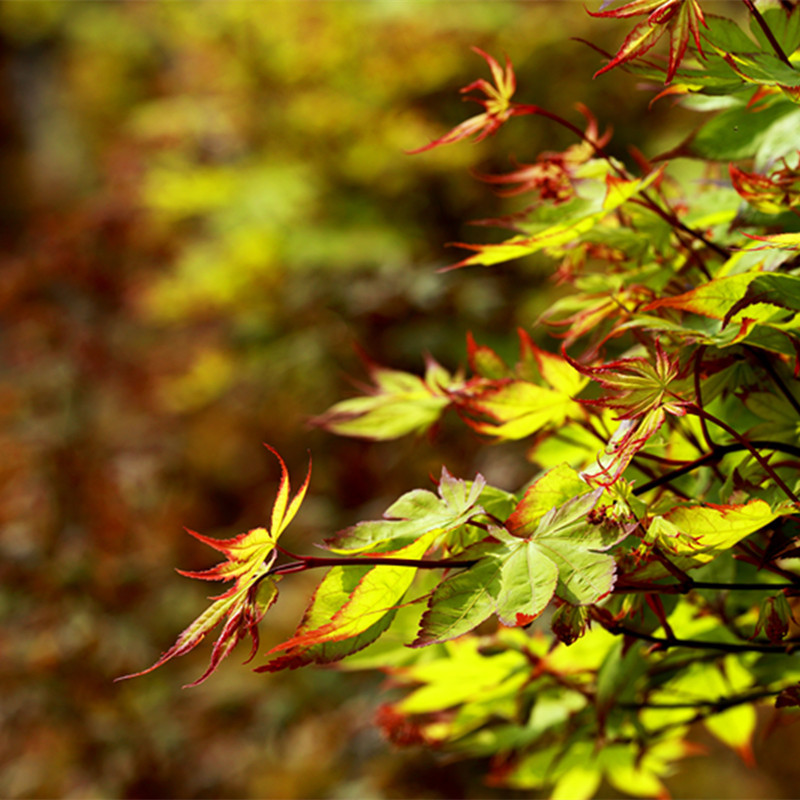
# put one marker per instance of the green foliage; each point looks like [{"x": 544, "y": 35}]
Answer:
[{"x": 643, "y": 581}]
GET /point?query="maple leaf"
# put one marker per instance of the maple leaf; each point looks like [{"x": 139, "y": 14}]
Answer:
[
  {"x": 548, "y": 546},
  {"x": 693, "y": 535},
  {"x": 644, "y": 392},
  {"x": 771, "y": 194},
  {"x": 680, "y": 18},
  {"x": 250, "y": 557},
  {"x": 354, "y": 605},
  {"x": 397, "y": 404},
  {"x": 553, "y": 175},
  {"x": 515, "y": 404},
  {"x": 498, "y": 106},
  {"x": 560, "y": 233}
]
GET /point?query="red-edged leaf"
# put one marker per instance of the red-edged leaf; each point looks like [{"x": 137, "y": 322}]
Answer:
[
  {"x": 397, "y": 404},
  {"x": 497, "y": 104},
  {"x": 352, "y": 605},
  {"x": 681, "y": 18},
  {"x": 250, "y": 557}
]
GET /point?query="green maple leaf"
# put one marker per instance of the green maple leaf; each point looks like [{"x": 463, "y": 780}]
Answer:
[
  {"x": 513, "y": 404},
  {"x": 250, "y": 557},
  {"x": 397, "y": 404},
  {"x": 416, "y": 513},
  {"x": 643, "y": 391},
  {"x": 538, "y": 554},
  {"x": 577, "y": 218},
  {"x": 354, "y": 605},
  {"x": 693, "y": 535}
]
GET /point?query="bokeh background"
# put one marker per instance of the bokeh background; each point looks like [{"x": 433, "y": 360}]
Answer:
[{"x": 205, "y": 208}]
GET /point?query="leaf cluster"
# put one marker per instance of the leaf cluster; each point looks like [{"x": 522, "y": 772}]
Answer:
[{"x": 644, "y": 580}]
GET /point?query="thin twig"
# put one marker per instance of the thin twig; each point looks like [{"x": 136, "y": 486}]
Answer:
[
  {"x": 314, "y": 562},
  {"x": 702, "y": 644},
  {"x": 762, "y": 23},
  {"x": 717, "y": 454},
  {"x": 770, "y": 370}
]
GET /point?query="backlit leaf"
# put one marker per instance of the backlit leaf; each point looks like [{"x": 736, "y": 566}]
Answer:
[
  {"x": 399, "y": 403},
  {"x": 250, "y": 557},
  {"x": 558, "y": 551}
]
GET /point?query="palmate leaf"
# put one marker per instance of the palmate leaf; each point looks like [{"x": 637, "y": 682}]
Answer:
[
  {"x": 756, "y": 61},
  {"x": 461, "y": 674},
  {"x": 415, "y": 514},
  {"x": 576, "y": 769},
  {"x": 538, "y": 555},
  {"x": 785, "y": 26},
  {"x": 681, "y": 18},
  {"x": 250, "y": 556},
  {"x": 399, "y": 403},
  {"x": 354, "y": 605},
  {"x": 578, "y": 217},
  {"x": 644, "y": 391},
  {"x": 497, "y": 105},
  {"x": 709, "y": 682},
  {"x": 351, "y": 608},
  {"x": 739, "y": 132},
  {"x": 693, "y": 535},
  {"x": 756, "y": 307},
  {"x": 516, "y": 404}
]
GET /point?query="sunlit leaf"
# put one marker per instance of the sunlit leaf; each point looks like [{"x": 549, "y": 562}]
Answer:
[
  {"x": 399, "y": 403},
  {"x": 250, "y": 557}
]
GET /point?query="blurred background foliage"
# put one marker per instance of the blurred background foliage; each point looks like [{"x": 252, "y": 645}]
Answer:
[{"x": 206, "y": 205}]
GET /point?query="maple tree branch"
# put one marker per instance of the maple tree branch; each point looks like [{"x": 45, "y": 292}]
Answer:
[
  {"x": 666, "y": 462},
  {"x": 314, "y": 562},
  {"x": 684, "y": 587},
  {"x": 671, "y": 218},
  {"x": 762, "y": 23},
  {"x": 715, "y": 706},
  {"x": 770, "y": 370},
  {"x": 702, "y": 644},
  {"x": 749, "y": 447},
  {"x": 751, "y": 554},
  {"x": 716, "y": 454},
  {"x": 710, "y": 709}
]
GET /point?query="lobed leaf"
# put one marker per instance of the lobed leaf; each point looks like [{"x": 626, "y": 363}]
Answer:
[
  {"x": 693, "y": 535},
  {"x": 415, "y": 514},
  {"x": 399, "y": 403},
  {"x": 519, "y": 571},
  {"x": 250, "y": 557},
  {"x": 352, "y": 605}
]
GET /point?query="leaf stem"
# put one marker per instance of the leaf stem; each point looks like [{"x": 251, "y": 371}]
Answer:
[
  {"x": 685, "y": 587},
  {"x": 716, "y": 454},
  {"x": 702, "y": 644},
  {"x": 716, "y": 706},
  {"x": 314, "y": 562},
  {"x": 762, "y": 23},
  {"x": 706, "y": 709},
  {"x": 770, "y": 370},
  {"x": 749, "y": 447}
]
